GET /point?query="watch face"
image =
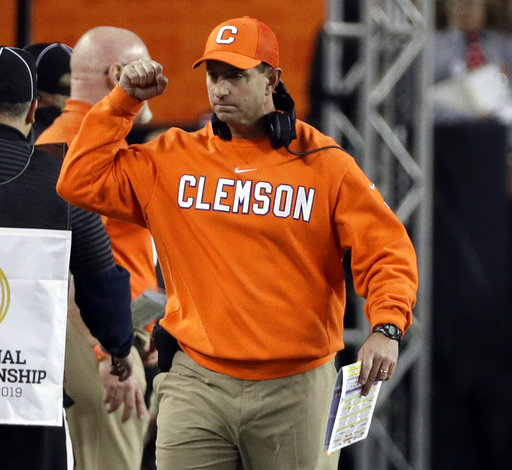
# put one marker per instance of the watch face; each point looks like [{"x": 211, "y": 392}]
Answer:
[
  {"x": 393, "y": 330},
  {"x": 390, "y": 330}
]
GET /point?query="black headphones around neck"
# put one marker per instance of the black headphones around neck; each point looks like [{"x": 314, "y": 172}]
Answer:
[{"x": 280, "y": 123}]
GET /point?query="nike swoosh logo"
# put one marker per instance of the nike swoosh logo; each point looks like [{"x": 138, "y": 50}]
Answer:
[
  {"x": 238, "y": 170},
  {"x": 372, "y": 186}
]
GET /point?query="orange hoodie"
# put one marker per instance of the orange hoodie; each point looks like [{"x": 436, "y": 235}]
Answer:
[
  {"x": 250, "y": 239},
  {"x": 131, "y": 245}
]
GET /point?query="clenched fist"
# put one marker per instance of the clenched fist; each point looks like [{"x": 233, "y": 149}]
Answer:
[{"x": 143, "y": 79}]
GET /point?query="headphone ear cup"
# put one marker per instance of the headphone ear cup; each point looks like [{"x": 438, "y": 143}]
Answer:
[
  {"x": 280, "y": 129},
  {"x": 281, "y": 123},
  {"x": 274, "y": 129}
]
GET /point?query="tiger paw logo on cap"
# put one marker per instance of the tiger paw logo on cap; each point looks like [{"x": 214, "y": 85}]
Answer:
[
  {"x": 243, "y": 43},
  {"x": 5, "y": 295}
]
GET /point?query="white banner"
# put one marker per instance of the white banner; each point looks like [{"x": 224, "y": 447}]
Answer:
[{"x": 34, "y": 272}]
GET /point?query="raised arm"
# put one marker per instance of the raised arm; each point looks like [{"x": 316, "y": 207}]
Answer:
[{"x": 98, "y": 169}]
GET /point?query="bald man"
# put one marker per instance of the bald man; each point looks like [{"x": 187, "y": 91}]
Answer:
[
  {"x": 103, "y": 440},
  {"x": 98, "y": 60}
]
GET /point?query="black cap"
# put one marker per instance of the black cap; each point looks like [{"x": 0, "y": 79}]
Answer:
[
  {"x": 18, "y": 76},
  {"x": 52, "y": 62}
]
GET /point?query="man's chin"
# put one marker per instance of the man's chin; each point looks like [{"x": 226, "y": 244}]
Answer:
[{"x": 225, "y": 114}]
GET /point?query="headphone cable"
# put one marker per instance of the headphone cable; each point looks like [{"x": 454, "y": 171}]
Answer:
[{"x": 308, "y": 152}]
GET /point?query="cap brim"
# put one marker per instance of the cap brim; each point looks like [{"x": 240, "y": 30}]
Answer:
[{"x": 236, "y": 60}]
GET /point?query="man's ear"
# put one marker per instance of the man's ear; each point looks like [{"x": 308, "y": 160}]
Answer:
[
  {"x": 274, "y": 76},
  {"x": 31, "y": 114},
  {"x": 114, "y": 73}
]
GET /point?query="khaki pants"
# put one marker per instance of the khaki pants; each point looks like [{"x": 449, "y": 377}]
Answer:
[
  {"x": 100, "y": 440},
  {"x": 211, "y": 421}
]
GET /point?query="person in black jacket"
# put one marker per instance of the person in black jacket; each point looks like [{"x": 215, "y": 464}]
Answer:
[
  {"x": 28, "y": 200},
  {"x": 53, "y": 81}
]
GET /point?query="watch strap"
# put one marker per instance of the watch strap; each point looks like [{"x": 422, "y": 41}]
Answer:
[{"x": 390, "y": 330}]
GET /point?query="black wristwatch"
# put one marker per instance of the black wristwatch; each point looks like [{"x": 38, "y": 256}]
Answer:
[{"x": 390, "y": 330}]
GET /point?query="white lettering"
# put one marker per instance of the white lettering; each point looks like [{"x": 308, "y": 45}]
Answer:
[
  {"x": 221, "y": 194},
  {"x": 304, "y": 204},
  {"x": 242, "y": 196},
  {"x": 228, "y": 40},
  {"x": 200, "y": 193},
  {"x": 263, "y": 205},
  {"x": 189, "y": 201},
  {"x": 237, "y": 196},
  {"x": 286, "y": 191}
]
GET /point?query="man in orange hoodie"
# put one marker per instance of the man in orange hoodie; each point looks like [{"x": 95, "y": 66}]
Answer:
[{"x": 251, "y": 216}]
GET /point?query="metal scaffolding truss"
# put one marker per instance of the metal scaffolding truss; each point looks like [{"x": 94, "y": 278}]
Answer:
[{"x": 389, "y": 132}]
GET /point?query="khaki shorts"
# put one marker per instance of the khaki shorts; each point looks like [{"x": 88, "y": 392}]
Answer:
[{"x": 211, "y": 421}]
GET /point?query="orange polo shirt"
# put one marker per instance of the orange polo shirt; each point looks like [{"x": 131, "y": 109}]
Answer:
[
  {"x": 250, "y": 239},
  {"x": 131, "y": 244}
]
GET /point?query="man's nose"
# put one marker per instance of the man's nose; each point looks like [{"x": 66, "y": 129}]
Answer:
[{"x": 221, "y": 88}]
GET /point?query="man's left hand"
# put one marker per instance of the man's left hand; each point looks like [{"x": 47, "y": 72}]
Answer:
[{"x": 379, "y": 355}]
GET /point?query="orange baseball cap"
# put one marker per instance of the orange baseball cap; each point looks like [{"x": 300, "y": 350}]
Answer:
[{"x": 242, "y": 42}]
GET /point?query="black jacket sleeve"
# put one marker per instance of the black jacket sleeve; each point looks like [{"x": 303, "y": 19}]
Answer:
[
  {"x": 102, "y": 288},
  {"x": 104, "y": 302}
]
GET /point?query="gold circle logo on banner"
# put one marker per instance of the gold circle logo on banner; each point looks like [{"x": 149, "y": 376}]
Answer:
[{"x": 5, "y": 295}]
